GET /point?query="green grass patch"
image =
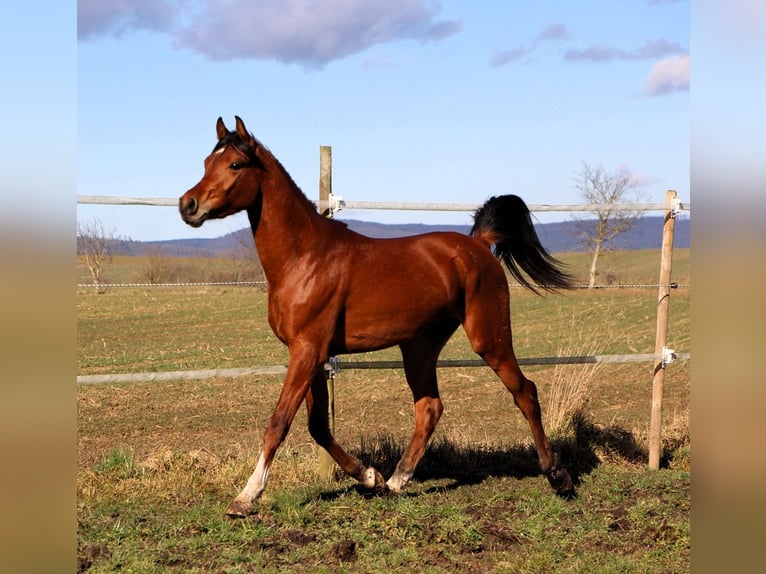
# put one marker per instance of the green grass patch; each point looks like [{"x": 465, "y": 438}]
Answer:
[{"x": 625, "y": 518}]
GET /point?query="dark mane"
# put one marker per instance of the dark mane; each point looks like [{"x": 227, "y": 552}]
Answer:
[{"x": 233, "y": 139}]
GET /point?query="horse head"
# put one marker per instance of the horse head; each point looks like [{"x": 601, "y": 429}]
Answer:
[{"x": 232, "y": 179}]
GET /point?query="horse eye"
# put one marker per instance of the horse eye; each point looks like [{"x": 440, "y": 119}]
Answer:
[{"x": 235, "y": 166}]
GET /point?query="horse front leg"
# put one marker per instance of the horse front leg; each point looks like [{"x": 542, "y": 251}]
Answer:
[{"x": 303, "y": 364}]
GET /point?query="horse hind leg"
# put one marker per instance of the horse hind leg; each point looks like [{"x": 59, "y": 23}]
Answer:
[
  {"x": 317, "y": 404},
  {"x": 525, "y": 396},
  {"x": 497, "y": 352}
]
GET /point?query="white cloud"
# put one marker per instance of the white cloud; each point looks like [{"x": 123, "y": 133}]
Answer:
[
  {"x": 556, "y": 31},
  {"x": 507, "y": 56},
  {"x": 552, "y": 32},
  {"x": 668, "y": 75},
  {"x": 308, "y": 32},
  {"x": 115, "y": 17},
  {"x": 650, "y": 49}
]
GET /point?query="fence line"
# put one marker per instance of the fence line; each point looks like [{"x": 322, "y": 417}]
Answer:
[
  {"x": 180, "y": 375},
  {"x": 116, "y": 200},
  {"x": 329, "y": 204},
  {"x": 199, "y": 284},
  {"x": 337, "y": 203},
  {"x": 343, "y": 365},
  {"x": 265, "y": 283}
]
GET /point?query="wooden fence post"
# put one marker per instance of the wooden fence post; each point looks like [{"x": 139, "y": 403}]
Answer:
[
  {"x": 663, "y": 303},
  {"x": 326, "y": 462}
]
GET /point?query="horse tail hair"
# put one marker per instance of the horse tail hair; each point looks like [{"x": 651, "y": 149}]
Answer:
[{"x": 505, "y": 223}]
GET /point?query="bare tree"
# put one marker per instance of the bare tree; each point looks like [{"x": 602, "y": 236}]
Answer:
[
  {"x": 94, "y": 247},
  {"x": 158, "y": 267},
  {"x": 598, "y": 186}
]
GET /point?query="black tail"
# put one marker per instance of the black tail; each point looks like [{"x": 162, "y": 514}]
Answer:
[{"x": 504, "y": 222}]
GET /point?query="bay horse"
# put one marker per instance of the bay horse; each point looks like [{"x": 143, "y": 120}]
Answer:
[{"x": 332, "y": 291}]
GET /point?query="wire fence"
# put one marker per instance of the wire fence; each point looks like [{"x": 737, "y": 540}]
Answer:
[
  {"x": 336, "y": 203},
  {"x": 103, "y": 285},
  {"x": 329, "y": 204},
  {"x": 265, "y": 284}
]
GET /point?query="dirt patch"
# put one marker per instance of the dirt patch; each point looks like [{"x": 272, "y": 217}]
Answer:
[
  {"x": 620, "y": 521},
  {"x": 299, "y": 537},
  {"x": 285, "y": 541},
  {"x": 345, "y": 551},
  {"x": 89, "y": 554}
]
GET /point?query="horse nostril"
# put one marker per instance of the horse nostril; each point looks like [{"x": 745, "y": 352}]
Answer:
[{"x": 191, "y": 206}]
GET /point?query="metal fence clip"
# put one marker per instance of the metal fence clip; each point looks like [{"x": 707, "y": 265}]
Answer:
[
  {"x": 336, "y": 203},
  {"x": 668, "y": 356},
  {"x": 332, "y": 367}
]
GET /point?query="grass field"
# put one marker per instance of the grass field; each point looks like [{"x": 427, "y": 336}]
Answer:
[{"x": 158, "y": 462}]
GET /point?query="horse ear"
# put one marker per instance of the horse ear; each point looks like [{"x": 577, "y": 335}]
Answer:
[
  {"x": 220, "y": 129},
  {"x": 243, "y": 133},
  {"x": 241, "y": 129}
]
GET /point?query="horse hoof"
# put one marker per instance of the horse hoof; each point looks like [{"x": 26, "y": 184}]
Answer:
[
  {"x": 239, "y": 509},
  {"x": 373, "y": 480},
  {"x": 562, "y": 483},
  {"x": 380, "y": 482}
]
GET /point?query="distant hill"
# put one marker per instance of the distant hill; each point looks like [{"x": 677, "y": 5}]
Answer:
[
  {"x": 560, "y": 237},
  {"x": 557, "y": 237}
]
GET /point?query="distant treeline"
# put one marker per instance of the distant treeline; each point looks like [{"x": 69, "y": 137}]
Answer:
[{"x": 559, "y": 237}]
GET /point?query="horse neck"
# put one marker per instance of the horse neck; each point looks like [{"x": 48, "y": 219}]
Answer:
[{"x": 285, "y": 224}]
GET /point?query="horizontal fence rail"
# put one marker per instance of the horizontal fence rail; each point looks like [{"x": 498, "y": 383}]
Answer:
[
  {"x": 265, "y": 283},
  {"x": 469, "y": 207},
  {"x": 114, "y": 200},
  {"x": 337, "y": 204},
  {"x": 191, "y": 284},
  {"x": 181, "y": 375},
  {"x": 342, "y": 365}
]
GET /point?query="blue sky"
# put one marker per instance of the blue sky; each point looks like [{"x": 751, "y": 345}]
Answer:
[{"x": 421, "y": 101}]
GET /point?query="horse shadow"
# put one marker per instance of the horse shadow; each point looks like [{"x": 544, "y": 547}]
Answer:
[{"x": 580, "y": 452}]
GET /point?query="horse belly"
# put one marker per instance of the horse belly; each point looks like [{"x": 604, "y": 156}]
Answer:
[
  {"x": 400, "y": 288},
  {"x": 390, "y": 321}
]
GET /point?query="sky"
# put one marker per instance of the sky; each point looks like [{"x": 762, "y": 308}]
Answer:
[{"x": 421, "y": 100}]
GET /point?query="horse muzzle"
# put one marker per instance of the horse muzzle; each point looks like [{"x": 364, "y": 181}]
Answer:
[{"x": 190, "y": 211}]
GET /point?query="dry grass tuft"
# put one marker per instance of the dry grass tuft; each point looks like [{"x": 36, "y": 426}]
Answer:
[
  {"x": 676, "y": 441},
  {"x": 164, "y": 459},
  {"x": 159, "y": 460},
  {"x": 569, "y": 393}
]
